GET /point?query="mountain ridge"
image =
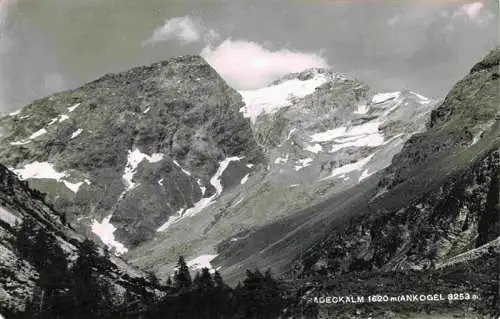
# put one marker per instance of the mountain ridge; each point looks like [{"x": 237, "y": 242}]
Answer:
[{"x": 107, "y": 141}]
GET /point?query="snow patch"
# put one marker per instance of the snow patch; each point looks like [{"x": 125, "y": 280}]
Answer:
[
  {"x": 63, "y": 118},
  {"x": 53, "y": 121},
  {"x": 203, "y": 188},
  {"x": 316, "y": 148},
  {"x": 73, "y": 186},
  {"x": 362, "y": 109},
  {"x": 365, "y": 175},
  {"x": 477, "y": 137},
  {"x": 303, "y": 163},
  {"x": 244, "y": 179},
  {"x": 15, "y": 112},
  {"x": 422, "y": 98},
  {"x": 45, "y": 170},
  {"x": 281, "y": 160},
  {"x": 238, "y": 202},
  {"x": 134, "y": 158},
  {"x": 8, "y": 217},
  {"x": 382, "y": 97},
  {"x": 250, "y": 165},
  {"x": 199, "y": 206},
  {"x": 290, "y": 133},
  {"x": 72, "y": 108},
  {"x": 171, "y": 220},
  {"x": 366, "y": 134},
  {"x": 205, "y": 201},
  {"x": 38, "y": 133},
  {"x": 39, "y": 170},
  {"x": 160, "y": 182},
  {"x": 76, "y": 133},
  {"x": 31, "y": 137},
  {"x": 20, "y": 142},
  {"x": 356, "y": 166},
  {"x": 369, "y": 140},
  {"x": 201, "y": 262},
  {"x": 329, "y": 135},
  {"x": 105, "y": 232},
  {"x": 182, "y": 169},
  {"x": 76, "y": 186},
  {"x": 147, "y": 110},
  {"x": 368, "y": 128},
  {"x": 215, "y": 180},
  {"x": 270, "y": 99}
]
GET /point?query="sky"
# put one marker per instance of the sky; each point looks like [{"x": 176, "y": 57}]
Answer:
[{"x": 425, "y": 46}]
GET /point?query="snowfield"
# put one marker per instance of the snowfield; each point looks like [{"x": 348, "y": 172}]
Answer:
[
  {"x": 272, "y": 98},
  {"x": 105, "y": 232},
  {"x": 45, "y": 170},
  {"x": 39, "y": 170},
  {"x": 201, "y": 262}
]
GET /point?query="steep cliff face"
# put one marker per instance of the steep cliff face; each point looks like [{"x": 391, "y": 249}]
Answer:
[
  {"x": 19, "y": 276},
  {"x": 134, "y": 150}
]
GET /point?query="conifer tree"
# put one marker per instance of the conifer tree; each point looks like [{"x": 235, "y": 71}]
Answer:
[
  {"x": 261, "y": 296},
  {"x": 87, "y": 291},
  {"x": 218, "y": 281},
  {"x": 203, "y": 281},
  {"x": 25, "y": 238},
  {"x": 182, "y": 277}
]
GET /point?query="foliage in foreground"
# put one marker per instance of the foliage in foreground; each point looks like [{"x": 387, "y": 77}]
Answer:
[{"x": 81, "y": 288}]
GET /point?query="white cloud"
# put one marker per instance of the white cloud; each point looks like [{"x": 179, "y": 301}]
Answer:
[
  {"x": 243, "y": 64},
  {"x": 472, "y": 11},
  {"x": 248, "y": 65},
  {"x": 184, "y": 29}
]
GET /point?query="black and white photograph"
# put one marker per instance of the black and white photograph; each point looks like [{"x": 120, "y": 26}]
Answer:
[{"x": 260, "y": 159}]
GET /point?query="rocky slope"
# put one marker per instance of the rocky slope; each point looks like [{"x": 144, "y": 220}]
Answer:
[
  {"x": 456, "y": 207},
  {"x": 18, "y": 276},
  {"x": 133, "y": 151},
  {"x": 438, "y": 200},
  {"x": 322, "y": 133},
  {"x": 167, "y": 159}
]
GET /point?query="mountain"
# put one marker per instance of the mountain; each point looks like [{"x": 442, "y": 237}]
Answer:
[
  {"x": 167, "y": 159},
  {"x": 134, "y": 150},
  {"x": 322, "y": 133},
  {"x": 435, "y": 207},
  {"x": 20, "y": 273},
  {"x": 314, "y": 176}
]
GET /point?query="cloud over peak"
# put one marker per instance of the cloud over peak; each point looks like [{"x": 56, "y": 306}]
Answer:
[
  {"x": 471, "y": 10},
  {"x": 248, "y": 65},
  {"x": 243, "y": 64}
]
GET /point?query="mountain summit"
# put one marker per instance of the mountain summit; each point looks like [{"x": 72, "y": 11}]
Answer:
[{"x": 134, "y": 150}]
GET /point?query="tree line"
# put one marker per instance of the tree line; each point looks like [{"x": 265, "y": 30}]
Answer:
[{"x": 81, "y": 287}]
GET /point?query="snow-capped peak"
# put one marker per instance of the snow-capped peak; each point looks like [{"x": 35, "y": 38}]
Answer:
[{"x": 272, "y": 98}]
